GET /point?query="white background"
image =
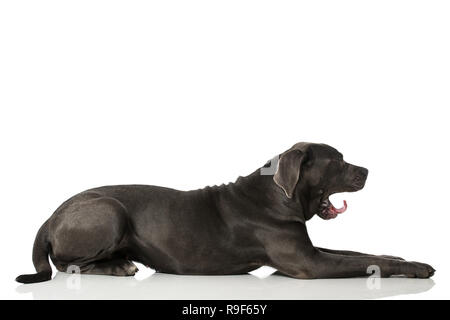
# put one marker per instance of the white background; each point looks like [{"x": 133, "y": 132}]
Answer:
[{"x": 186, "y": 94}]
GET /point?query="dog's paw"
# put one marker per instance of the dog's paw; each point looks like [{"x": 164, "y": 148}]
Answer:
[
  {"x": 422, "y": 270},
  {"x": 127, "y": 268},
  {"x": 131, "y": 269}
]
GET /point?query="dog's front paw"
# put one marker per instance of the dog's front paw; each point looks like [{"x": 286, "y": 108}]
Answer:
[{"x": 422, "y": 270}]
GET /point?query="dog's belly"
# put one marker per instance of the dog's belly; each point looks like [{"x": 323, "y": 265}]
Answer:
[
  {"x": 187, "y": 249},
  {"x": 192, "y": 239},
  {"x": 205, "y": 260}
]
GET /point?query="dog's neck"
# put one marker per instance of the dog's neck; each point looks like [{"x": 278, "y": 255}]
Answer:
[{"x": 265, "y": 193}]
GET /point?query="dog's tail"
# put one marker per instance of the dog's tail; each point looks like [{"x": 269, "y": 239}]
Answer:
[{"x": 40, "y": 258}]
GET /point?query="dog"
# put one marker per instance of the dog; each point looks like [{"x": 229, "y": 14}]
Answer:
[{"x": 259, "y": 220}]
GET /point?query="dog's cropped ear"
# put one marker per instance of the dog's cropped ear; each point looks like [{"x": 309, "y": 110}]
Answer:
[{"x": 288, "y": 171}]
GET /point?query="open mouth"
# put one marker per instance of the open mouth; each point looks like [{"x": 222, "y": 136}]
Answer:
[{"x": 328, "y": 211}]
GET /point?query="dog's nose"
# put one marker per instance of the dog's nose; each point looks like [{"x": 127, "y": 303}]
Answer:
[
  {"x": 360, "y": 177},
  {"x": 364, "y": 172}
]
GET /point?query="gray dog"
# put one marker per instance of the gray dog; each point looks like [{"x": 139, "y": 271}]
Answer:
[{"x": 229, "y": 229}]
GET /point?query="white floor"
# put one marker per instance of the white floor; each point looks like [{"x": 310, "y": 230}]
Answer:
[{"x": 164, "y": 286}]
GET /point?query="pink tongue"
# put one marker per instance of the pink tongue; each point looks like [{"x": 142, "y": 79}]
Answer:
[{"x": 341, "y": 210}]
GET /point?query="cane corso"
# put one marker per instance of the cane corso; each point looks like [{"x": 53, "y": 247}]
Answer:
[{"x": 228, "y": 229}]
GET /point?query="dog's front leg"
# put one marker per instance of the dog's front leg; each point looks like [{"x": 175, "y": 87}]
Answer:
[
  {"x": 294, "y": 255},
  {"x": 354, "y": 253},
  {"x": 328, "y": 265}
]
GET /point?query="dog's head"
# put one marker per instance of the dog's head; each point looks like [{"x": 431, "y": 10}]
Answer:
[{"x": 310, "y": 173}]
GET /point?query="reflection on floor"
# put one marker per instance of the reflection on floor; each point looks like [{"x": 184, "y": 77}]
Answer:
[{"x": 165, "y": 286}]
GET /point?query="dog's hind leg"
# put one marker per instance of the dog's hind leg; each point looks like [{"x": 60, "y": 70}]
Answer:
[
  {"x": 89, "y": 236},
  {"x": 114, "y": 267}
]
